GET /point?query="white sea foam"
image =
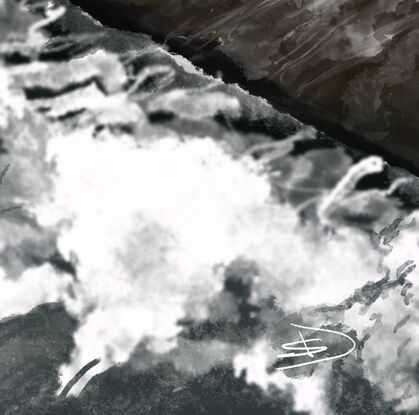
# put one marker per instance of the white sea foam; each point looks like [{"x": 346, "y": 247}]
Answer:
[{"x": 148, "y": 223}]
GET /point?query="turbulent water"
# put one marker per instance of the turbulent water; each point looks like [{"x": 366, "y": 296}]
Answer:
[{"x": 175, "y": 237}]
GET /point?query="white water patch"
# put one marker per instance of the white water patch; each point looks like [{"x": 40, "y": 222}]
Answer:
[
  {"x": 150, "y": 223},
  {"x": 146, "y": 225},
  {"x": 309, "y": 393},
  {"x": 35, "y": 286}
]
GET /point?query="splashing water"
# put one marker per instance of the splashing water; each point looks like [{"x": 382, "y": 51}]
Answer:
[{"x": 149, "y": 223}]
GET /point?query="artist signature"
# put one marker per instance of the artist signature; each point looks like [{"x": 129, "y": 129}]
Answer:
[{"x": 304, "y": 349}]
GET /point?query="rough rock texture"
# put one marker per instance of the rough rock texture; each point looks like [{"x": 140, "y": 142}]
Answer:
[{"x": 348, "y": 66}]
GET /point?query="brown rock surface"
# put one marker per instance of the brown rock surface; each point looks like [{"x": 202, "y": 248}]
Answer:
[{"x": 348, "y": 66}]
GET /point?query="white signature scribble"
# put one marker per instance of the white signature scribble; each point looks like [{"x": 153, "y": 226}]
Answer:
[{"x": 304, "y": 349}]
